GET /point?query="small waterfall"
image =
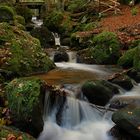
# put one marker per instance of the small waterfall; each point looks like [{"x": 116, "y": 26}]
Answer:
[
  {"x": 57, "y": 39},
  {"x": 37, "y": 22},
  {"x": 79, "y": 121}
]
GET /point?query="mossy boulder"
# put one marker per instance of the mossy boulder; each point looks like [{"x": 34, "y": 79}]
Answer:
[
  {"x": 123, "y": 81},
  {"x": 131, "y": 58},
  {"x": 136, "y": 62},
  {"x": 25, "y": 100},
  {"x": 25, "y": 12},
  {"x": 11, "y": 133},
  {"x": 129, "y": 120},
  {"x": 44, "y": 35},
  {"x": 126, "y": 60},
  {"x": 99, "y": 92},
  {"x": 19, "y": 19},
  {"x": 6, "y": 13},
  {"x": 20, "y": 53},
  {"x": 53, "y": 20},
  {"x": 106, "y": 48}
]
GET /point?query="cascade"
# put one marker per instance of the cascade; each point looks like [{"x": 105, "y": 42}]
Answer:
[{"x": 79, "y": 121}]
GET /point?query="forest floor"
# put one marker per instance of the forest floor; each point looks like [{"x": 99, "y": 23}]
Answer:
[
  {"x": 123, "y": 19},
  {"x": 125, "y": 24}
]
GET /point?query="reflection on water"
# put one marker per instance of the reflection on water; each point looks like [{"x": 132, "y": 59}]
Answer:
[{"x": 71, "y": 73}]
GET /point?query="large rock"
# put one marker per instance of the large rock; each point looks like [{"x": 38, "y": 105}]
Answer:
[
  {"x": 131, "y": 58},
  {"x": 99, "y": 92},
  {"x": 123, "y": 81},
  {"x": 44, "y": 35},
  {"x": 20, "y": 53},
  {"x": 120, "y": 134},
  {"x": 106, "y": 48},
  {"x": 134, "y": 74},
  {"x": 61, "y": 56},
  {"x": 126, "y": 61},
  {"x": 128, "y": 119},
  {"x": 25, "y": 100}
]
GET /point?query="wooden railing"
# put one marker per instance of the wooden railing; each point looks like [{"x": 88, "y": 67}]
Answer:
[{"x": 109, "y": 5}]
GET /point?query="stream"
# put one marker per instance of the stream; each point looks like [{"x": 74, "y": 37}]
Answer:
[{"x": 79, "y": 120}]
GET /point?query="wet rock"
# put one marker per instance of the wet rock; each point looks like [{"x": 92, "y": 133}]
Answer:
[
  {"x": 99, "y": 92},
  {"x": 84, "y": 56},
  {"x": 61, "y": 56},
  {"x": 123, "y": 81},
  {"x": 134, "y": 74},
  {"x": 117, "y": 104},
  {"x": 120, "y": 134},
  {"x": 128, "y": 119},
  {"x": 65, "y": 41}
]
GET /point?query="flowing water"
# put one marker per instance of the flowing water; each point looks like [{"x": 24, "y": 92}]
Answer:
[
  {"x": 76, "y": 119},
  {"x": 79, "y": 122}
]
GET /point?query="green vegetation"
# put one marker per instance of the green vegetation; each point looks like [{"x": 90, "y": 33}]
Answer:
[
  {"x": 22, "y": 54},
  {"x": 106, "y": 48},
  {"x": 137, "y": 59},
  {"x": 127, "y": 59},
  {"x": 53, "y": 20},
  {"x": 19, "y": 19},
  {"x": 25, "y": 12},
  {"x": 131, "y": 58},
  {"x": 6, "y": 13},
  {"x": 22, "y": 95},
  {"x": 44, "y": 35},
  {"x": 76, "y": 5},
  {"x": 134, "y": 11}
]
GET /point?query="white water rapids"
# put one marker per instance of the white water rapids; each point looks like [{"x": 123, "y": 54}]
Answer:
[{"x": 79, "y": 122}]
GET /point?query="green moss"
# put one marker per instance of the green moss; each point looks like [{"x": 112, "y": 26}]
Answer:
[
  {"x": 22, "y": 95},
  {"x": 53, "y": 20},
  {"x": 127, "y": 59},
  {"x": 76, "y": 5},
  {"x": 6, "y": 13},
  {"x": 106, "y": 48},
  {"x": 134, "y": 44},
  {"x": 19, "y": 19},
  {"x": 137, "y": 59},
  {"x": 44, "y": 35},
  {"x": 24, "y": 54}
]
